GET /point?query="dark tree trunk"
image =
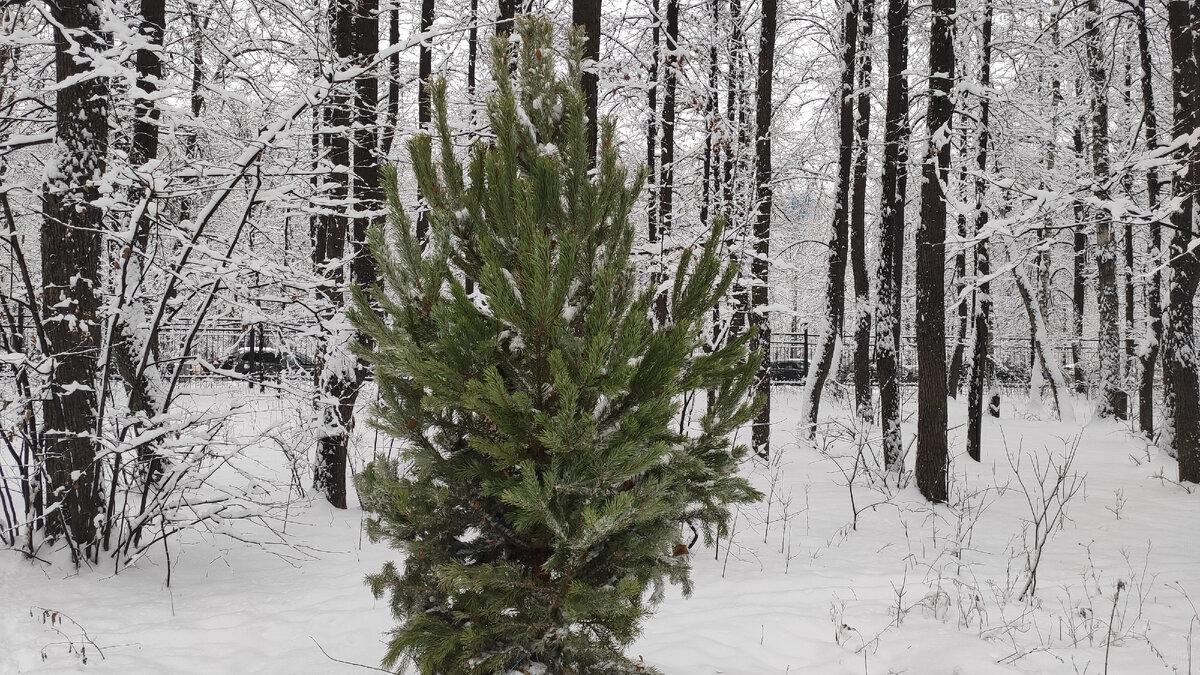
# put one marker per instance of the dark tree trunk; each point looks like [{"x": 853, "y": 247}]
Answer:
[
  {"x": 932, "y": 456},
  {"x": 586, "y": 13},
  {"x": 980, "y": 359},
  {"x": 891, "y": 236},
  {"x": 835, "y": 285},
  {"x": 652, "y": 202},
  {"x": 955, "y": 373},
  {"x": 1179, "y": 349},
  {"x": 760, "y": 266},
  {"x": 1079, "y": 272},
  {"x": 1106, "y": 253},
  {"x": 858, "y": 221},
  {"x": 392, "y": 116},
  {"x": 666, "y": 156},
  {"x": 335, "y": 381},
  {"x": 1154, "y": 327},
  {"x": 424, "y": 112},
  {"x": 737, "y": 117},
  {"x": 504, "y": 22},
  {"x": 127, "y": 350},
  {"x": 71, "y": 251},
  {"x": 708, "y": 188}
]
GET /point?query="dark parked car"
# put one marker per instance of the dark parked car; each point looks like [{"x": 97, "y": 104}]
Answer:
[
  {"x": 268, "y": 361},
  {"x": 789, "y": 372}
]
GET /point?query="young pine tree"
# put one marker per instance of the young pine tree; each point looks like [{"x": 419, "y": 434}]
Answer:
[{"x": 544, "y": 477}]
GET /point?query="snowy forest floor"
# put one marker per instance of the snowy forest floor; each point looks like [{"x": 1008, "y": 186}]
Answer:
[{"x": 803, "y": 585}]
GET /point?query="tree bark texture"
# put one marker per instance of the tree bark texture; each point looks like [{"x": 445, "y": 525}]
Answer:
[
  {"x": 1179, "y": 355},
  {"x": 760, "y": 266},
  {"x": 932, "y": 456},
  {"x": 1154, "y": 326},
  {"x": 891, "y": 235},
  {"x": 586, "y": 13},
  {"x": 858, "y": 221},
  {"x": 71, "y": 251},
  {"x": 981, "y": 354},
  {"x": 835, "y": 285},
  {"x": 1106, "y": 246}
]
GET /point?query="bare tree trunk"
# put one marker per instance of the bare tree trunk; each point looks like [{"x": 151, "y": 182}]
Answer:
[
  {"x": 891, "y": 235},
  {"x": 932, "y": 455},
  {"x": 424, "y": 115},
  {"x": 858, "y": 221},
  {"x": 586, "y": 13},
  {"x": 760, "y": 267},
  {"x": 1154, "y": 327},
  {"x": 141, "y": 384},
  {"x": 835, "y": 285},
  {"x": 71, "y": 251},
  {"x": 1050, "y": 371},
  {"x": 981, "y": 362},
  {"x": 652, "y": 141},
  {"x": 1111, "y": 395},
  {"x": 504, "y": 22},
  {"x": 335, "y": 378},
  {"x": 1179, "y": 356},
  {"x": 708, "y": 190},
  {"x": 666, "y": 157},
  {"x": 1078, "y": 264},
  {"x": 392, "y": 116},
  {"x": 737, "y": 117}
]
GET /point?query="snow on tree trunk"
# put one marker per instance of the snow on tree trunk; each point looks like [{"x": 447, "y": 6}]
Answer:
[
  {"x": 891, "y": 235},
  {"x": 932, "y": 454},
  {"x": 835, "y": 286},
  {"x": 1148, "y": 350},
  {"x": 760, "y": 265},
  {"x": 1179, "y": 355},
  {"x": 858, "y": 220},
  {"x": 1111, "y": 396},
  {"x": 70, "y": 260}
]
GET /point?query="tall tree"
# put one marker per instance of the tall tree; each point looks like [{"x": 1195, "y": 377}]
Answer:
[
  {"x": 1148, "y": 355},
  {"x": 760, "y": 266},
  {"x": 981, "y": 365},
  {"x": 1181, "y": 366},
  {"x": 858, "y": 220},
  {"x": 835, "y": 285},
  {"x": 70, "y": 260},
  {"x": 932, "y": 455},
  {"x": 666, "y": 154},
  {"x": 652, "y": 143},
  {"x": 141, "y": 379},
  {"x": 336, "y": 377},
  {"x": 1111, "y": 396},
  {"x": 891, "y": 235}
]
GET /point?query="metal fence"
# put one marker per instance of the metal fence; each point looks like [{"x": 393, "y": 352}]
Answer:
[{"x": 1012, "y": 357}]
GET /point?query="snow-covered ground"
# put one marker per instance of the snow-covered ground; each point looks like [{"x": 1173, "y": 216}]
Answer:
[{"x": 802, "y": 586}]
